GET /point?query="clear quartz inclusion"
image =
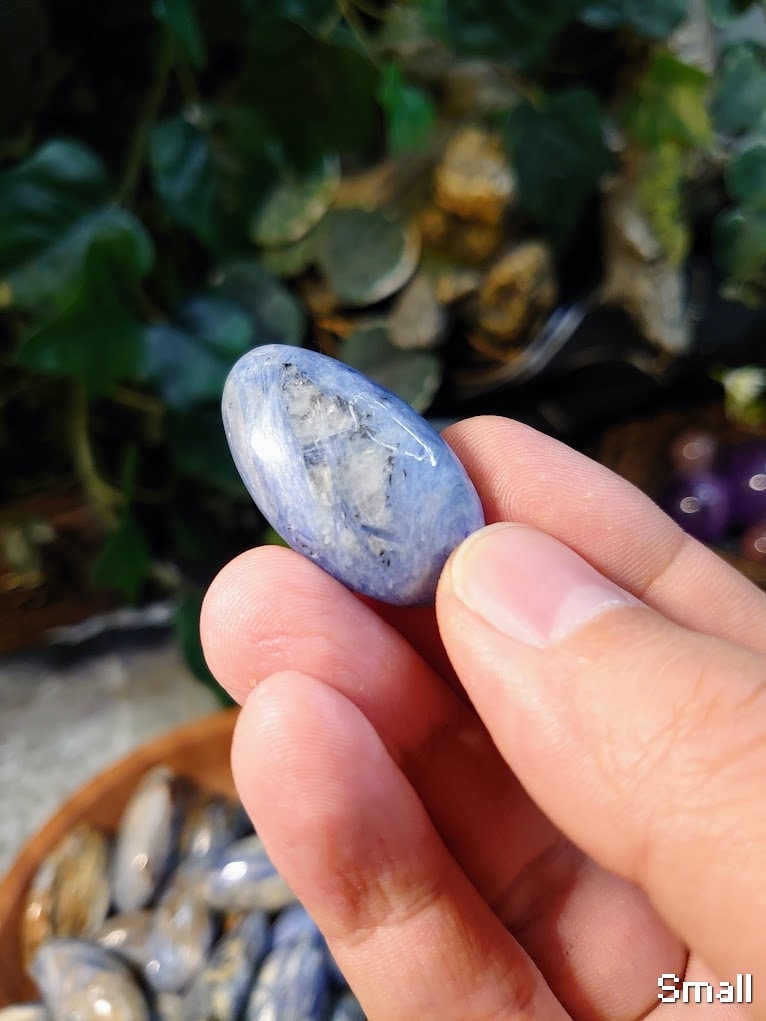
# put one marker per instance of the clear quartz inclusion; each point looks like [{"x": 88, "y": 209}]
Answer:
[{"x": 347, "y": 473}]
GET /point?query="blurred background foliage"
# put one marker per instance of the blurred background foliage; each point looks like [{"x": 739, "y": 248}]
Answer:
[{"x": 445, "y": 194}]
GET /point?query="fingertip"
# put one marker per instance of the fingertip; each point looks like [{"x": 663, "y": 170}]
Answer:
[{"x": 235, "y": 611}]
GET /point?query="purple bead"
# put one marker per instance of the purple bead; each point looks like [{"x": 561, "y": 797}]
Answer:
[
  {"x": 701, "y": 504},
  {"x": 746, "y": 470}
]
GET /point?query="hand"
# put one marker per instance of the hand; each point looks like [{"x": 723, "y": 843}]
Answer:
[{"x": 537, "y": 799}]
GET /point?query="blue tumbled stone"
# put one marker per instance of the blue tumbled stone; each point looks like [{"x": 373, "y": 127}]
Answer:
[
  {"x": 293, "y": 984},
  {"x": 347, "y": 473},
  {"x": 221, "y": 990},
  {"x": 243, "y": 879},
  {"x": 295, "y": 925},
  {"x": 348, "y": 1008}
]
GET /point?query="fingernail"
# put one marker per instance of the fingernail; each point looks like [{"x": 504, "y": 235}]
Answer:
[{"x": 530, "y": 586}]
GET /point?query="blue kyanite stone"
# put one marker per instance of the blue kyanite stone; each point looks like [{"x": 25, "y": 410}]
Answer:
[{"x": 347, "y": 473}]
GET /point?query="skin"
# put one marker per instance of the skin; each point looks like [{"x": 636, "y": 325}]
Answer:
[{"x": 536, "y": 798}]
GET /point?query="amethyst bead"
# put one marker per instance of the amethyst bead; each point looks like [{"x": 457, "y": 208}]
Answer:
[
  {"x": 701, "y": 504},
  {"x": 746, "y": 470}
]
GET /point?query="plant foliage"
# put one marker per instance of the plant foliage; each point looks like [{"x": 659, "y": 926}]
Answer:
[
  {"x": 559, "y": 152},
  {"x": 134, "y": 238}
]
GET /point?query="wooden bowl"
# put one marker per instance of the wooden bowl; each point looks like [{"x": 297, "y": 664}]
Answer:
[{"x": 199, "y": 750}]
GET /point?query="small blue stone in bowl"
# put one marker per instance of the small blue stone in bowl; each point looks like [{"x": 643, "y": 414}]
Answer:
[{"x": 347, "y": 473}]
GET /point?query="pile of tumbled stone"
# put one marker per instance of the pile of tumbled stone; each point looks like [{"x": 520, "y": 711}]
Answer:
[{"x": 182, "y": 917}]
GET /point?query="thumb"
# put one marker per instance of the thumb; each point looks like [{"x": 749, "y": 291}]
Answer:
[{"x": 644, "y": 742}]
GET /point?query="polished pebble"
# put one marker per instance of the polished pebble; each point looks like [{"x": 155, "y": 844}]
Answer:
[
  {"x": 127, "y": 935},
  {"x": 347, "y": 473},
  {"x": 243, "y": 879},
  {"x": 295, "y": 925},
  {"x": 70, "y": 893},
  {"x": 211, "y": 824},
  {"x": 181, "y": 958},
  {"x": 80, "y": 981},
  {"x": 221, "y": 989},
  {"x": 169, "y": 1006},
  {"x": 25, "y": 1012},
  {"x": 181, "y": 935},
  {"x": 146, "y": 840},
  {"x": 292, "y": 985}
]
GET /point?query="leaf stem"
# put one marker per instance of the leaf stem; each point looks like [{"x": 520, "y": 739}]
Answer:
[
  {"x": 151, "y": 109},
  {"x": 349, "y": 12},
  {"x": 188, "y": 84},
  {"x": 150, "y": 407},
  {"x": 104, "y": 497},
  {"x": 330, "y": 23},
  {"x": 370, "y": 9},
  {"x": 140, "y": 401}
]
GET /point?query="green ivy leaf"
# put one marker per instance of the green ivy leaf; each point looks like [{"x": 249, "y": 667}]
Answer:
[
  {"x": 183, "y": 370},
  {"x": 184, "y": 175},
  {"x": 125, "y": 560},
  {"x": 224, "y": 326},
  {"x": 289, "y": 261},
  {"x": 415, "y": 376},
  {"x": 723, "y": 12},
  {"x": 410, "y": 111},
  {"x": 45, "y": 281},
  {"x": 669, "y": 105},
  {"x": 313, "y": 15},
  {"x": 200, "y": 450},
  {"x": 655, "y": 19},
  {"x": 188, "y": 359},
  {"x": 745, "y": 175},
  {"x": 660, "y": 190},
  {"x": 740, "y": 240},
  {"x": 296, "y": 204},
  {"x": 315, "y": 96},
  {"x": 186, "y": 629},
  {"x": 97, "y": 338},
  {"x": 740, "y": 96},
  {"x": 520, "y": 30},
  {"x": 559, "y": 153},
  {"x": 365, "y": 255},
  {"x": 210, "y": 174},
  {"x": 45, "y": 196},
  {"x": 276, "y": 314},
  {"x": 181, "y": 20},
  {"x": 52, "y": 211}
]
